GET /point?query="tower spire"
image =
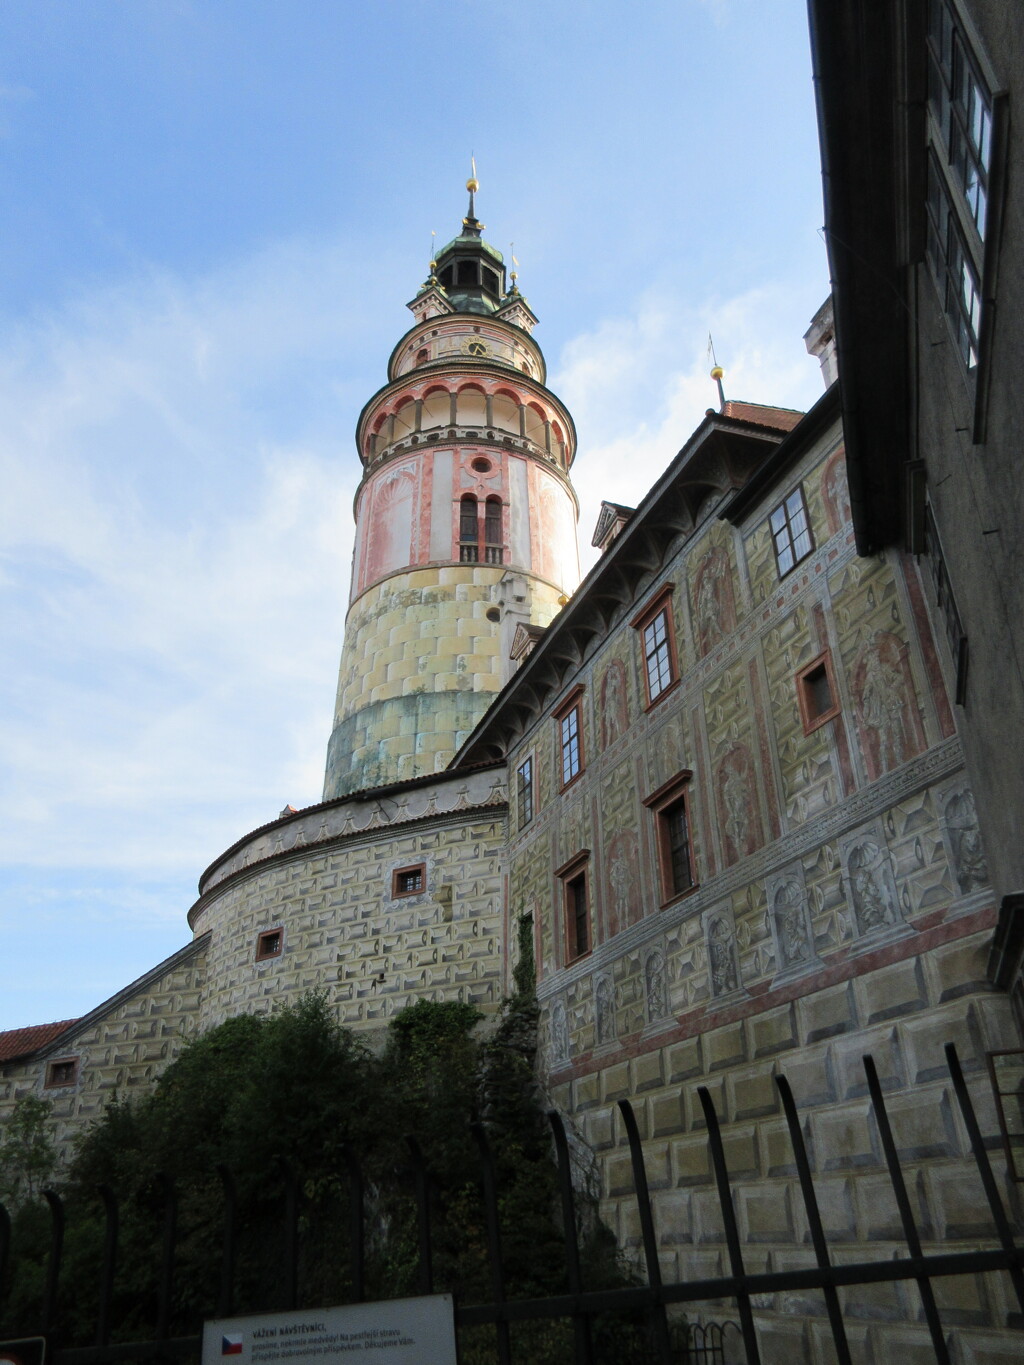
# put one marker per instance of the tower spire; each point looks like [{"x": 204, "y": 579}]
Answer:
[{"x": 470, "y": 223}]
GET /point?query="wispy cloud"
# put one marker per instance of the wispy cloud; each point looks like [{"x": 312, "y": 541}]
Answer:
[{"x": 639, "y": 384}]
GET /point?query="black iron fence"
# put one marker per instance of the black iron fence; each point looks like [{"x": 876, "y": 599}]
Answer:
[{"x": 579, "y": 1306}]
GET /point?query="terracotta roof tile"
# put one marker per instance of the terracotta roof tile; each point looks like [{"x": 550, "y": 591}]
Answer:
[
  {"x": 22, "y": 1042},
  {"x": 783, "y": 418}
]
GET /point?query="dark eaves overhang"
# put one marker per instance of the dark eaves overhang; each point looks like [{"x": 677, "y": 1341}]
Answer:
[
  {"x": 787, "y": 453},
  {"x": 855, "y": 51},
  {"x": 720, "y": 457}
]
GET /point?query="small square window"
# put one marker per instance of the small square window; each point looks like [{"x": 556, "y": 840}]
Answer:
[
  {"x": 269, "y": 944},
  {"x": 524, "y": 792},
  {"x": 576, "y": 905},
  {"x": 816, "y": 693},
  {"x": 671, "y": 809},
  {"x": 60, "y": 1073},
  {"x": 569, "y": 719},
  {"x": 657, "y": 638},
  {"x": 409, "y": 881},
  {"x": 791, "y": 532}
]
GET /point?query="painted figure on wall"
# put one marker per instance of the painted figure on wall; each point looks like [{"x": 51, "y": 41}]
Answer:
[
  {"x": 886, "y": 702},
  {"x": 965, "y": 837},
  {"x": 624, "y": 880},
  {"x": 722, "y": 956},
  {"x": 604, "y": 1010},
  {"x": 612, "y": 695},
  {"x": 791, "y": 925},
  {"x": 390, "y": 526},
  {"x": 834, "y": 492},
  {"x": 737, "y": 803},
  {"x": 715, "y": 605},
  {"x": 654, "y": 981},
  {"x": 873, "y": 902}
]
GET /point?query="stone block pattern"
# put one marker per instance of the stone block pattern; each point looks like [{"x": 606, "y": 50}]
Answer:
[
  {"x": 839, "y": 909},
  {"x": 120, "y": 1050},
  {"x": 424, "y": 635},
  {"x": 344, "y": 931}
]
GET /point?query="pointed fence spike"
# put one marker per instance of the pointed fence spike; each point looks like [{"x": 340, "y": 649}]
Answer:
[{"x": 899, "y": 1189}]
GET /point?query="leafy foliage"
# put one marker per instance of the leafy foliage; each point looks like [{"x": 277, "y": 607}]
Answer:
[
  {"x": 27, "y": 1151},
  {"x": 286, "y": 1100}
]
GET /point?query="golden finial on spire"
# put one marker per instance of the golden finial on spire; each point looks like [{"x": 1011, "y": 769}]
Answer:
[
  {"x": 472, "y": 184},
  {"x": 717, "y": 373},
  {"x": 433, "y": 253}
]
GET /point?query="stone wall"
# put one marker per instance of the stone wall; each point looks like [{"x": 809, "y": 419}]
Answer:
[
  {"x": 841, "y": 907},
  {"x": 325, "y": 879},
  {"x": 119, "y": 1049}
]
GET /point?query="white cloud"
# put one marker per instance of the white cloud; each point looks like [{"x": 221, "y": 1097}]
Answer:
[{"x": 638, "y": 385}]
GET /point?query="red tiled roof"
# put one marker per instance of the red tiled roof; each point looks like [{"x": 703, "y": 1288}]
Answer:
[
  {"x": 783, "y": 418},
  {"x": 20, "y": 1042}
]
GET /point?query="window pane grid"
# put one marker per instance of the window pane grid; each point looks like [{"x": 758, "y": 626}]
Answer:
[
  {"x": 791, "y": 532},
  {"x": 570, "y": 732},
  {"x": 678, "y": 847},
  {"x": 526, "y": 793},
  {"x": 656, "y": 655}
]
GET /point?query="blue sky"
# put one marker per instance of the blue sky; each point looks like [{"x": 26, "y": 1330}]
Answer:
[{"x": 213, "y": 214}]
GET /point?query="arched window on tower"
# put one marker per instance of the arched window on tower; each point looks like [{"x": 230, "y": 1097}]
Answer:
[
  {"x": 492, "y": 531},
  {"x": 469, "y": 531}
]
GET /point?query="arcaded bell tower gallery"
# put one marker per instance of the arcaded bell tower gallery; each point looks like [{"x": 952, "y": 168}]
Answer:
[{"x": 465, "y": 522}]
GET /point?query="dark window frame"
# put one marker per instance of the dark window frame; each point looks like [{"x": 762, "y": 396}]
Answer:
[
  {"x": 469, "y": 529},
  {"x": 56, "y": 1078},
  {"x": 661, "y": 652},
  {"x": 526, "y": 790},
  {"x": 415, "y": 874},
  {"x": 784, "y": 541},
  {"x": 269, "y": 943},
  {"x": 670, "y": 800},
  {"x": 571, "y": 756},
  {"x": 956, "y": 637},
  {"x": 1013, "y": 1141},
  {"x": 810, "y": 716},
  {"x": 967, "y": 133},
  {"x": 574, "y": 879}
]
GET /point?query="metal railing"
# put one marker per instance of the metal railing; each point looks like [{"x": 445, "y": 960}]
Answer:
[{"x": 579, "y": 1306}]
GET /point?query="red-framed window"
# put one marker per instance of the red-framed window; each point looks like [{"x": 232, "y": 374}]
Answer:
[
  {"x": 816, "y": 692},
  {"x": 569, "y": 749},
  {"x": 409, "y": 881},
  {"x": 658, "y": 645},
  {"x": 269, "y": 943},
  {"x": 574, "y": 878},
  {"x": 670, "y": 806}
]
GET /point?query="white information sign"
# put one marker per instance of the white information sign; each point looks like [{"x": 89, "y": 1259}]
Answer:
[{"x": 391, "y": 1332}]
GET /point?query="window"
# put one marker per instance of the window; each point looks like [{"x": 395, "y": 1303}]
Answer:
[
  {"x": 569, "y": 719},
  {"x": 269, "y": 944},
  {"x": 524, "y": 792},
  {"x": 469, "y": 531},
  {"x": 63, "y": 1072},
  {"x": 791, "y": 532},
  {"x": 409, "y": 881},
  {"x": 946, "y": 604},
  {"x": 492, "y": 531},
  {"x": 816, "y": 692},
  {"x": 962, "y": 138},
  {"x": 575, "y": 905},
  {"x": 670, "y": 807},
  {"x": 657, "y": 637}
]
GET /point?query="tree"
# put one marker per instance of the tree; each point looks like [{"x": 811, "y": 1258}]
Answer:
[{"x": 27, "y": 1151}]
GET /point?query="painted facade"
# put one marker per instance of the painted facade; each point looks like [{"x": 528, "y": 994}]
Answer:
[{"x": 720, "y": 785}]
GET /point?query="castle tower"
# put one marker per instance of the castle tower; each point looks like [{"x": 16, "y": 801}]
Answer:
[{"x": 465, "y": 522}]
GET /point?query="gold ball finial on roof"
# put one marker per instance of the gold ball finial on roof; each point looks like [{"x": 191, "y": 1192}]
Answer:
[
  {"x": 717, "y": 372},
  {"x": 472, "y": 184}
]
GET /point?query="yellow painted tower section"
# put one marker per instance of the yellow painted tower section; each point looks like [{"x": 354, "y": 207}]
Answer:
[{"x": 465, "y": 524}]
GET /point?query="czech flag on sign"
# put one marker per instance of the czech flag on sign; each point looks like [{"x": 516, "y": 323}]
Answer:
[{"x": 231, "y": 1344}]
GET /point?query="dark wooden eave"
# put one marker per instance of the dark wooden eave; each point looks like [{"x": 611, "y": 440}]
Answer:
[
  {"x": 871, "y": 168},
  {"x": 719, "y": 458}
]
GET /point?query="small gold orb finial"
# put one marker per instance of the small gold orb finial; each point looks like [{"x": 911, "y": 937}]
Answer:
[
  {"x": 472, "y": 184},
  {"x": 717, "y": 372}
]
